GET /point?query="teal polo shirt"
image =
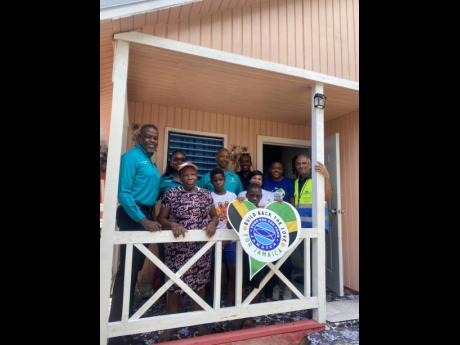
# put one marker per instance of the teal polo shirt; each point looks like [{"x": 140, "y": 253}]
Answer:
[
  {"x": 167, "y": 183},
  {"x": 139, "y": 182},
  {"x": 232, "y": 182}
]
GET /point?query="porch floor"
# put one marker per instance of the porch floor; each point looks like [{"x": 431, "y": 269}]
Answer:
[{"x": 337, "y": 332}]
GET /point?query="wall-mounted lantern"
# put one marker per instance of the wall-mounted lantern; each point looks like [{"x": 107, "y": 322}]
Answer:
[{"x": 319, "y": 100}]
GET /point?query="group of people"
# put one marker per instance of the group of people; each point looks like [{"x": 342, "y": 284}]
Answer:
[{"x": 190, "y": 203}]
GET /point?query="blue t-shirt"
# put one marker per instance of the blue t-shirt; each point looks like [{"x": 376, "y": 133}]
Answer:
[{"x": 285, "y": 187}]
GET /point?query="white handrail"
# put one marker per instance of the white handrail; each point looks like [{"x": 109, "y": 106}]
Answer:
[
  {"x": 136, "y": 324},
  {"x": 166, "y": 236}
]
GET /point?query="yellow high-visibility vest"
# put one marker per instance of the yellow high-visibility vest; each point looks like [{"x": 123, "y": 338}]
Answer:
[{"x": 306, "y": 194}]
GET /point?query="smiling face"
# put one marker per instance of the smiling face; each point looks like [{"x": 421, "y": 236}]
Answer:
[
  {"x": 177, "y": 159},
  {"x": 188, "y": 177},
  {"x": 276, "y": 171},
  {"x": 223, "y": 158},
  {"x": 245, "y": 163},
  {"x": 257, "y": 179},
  {"x": 303, "y": 165},
  {"x": 148, "y": 139}
]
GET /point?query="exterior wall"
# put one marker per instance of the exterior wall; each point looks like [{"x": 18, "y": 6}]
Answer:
[
  {"x": 241, "y": 131},
  {"x": 317, "y": 35},
  {"x": 348, "y": 128}
]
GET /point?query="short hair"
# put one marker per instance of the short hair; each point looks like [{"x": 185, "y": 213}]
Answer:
[
  {"x": 216, "y": 171},
  {"x": 302, "y": 155},
  {"x": 254, "y": 186},
  {"x": 294, "y": 159},
  {"x": 245, "y": 154},
  {"x": 149, "y": 125},
  {"x": 221, "y": 149},
  {"x": 255, "y": 173},
  {"x": 279, "y": 162}
]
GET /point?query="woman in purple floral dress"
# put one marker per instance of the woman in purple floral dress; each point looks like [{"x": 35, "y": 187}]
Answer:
[{"x": 185, "y": 208}]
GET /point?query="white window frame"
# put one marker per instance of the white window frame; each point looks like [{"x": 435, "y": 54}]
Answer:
[{"x": 186, "y": 131}]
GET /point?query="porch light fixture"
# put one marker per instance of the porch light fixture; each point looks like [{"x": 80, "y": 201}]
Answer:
[{"x": 319, "y": 101}]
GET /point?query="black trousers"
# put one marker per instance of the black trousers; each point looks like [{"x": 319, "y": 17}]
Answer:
[{"x": 126, "y": 223}]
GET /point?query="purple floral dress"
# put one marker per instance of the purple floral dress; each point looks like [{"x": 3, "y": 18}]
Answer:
[{"x": 191, "y": 210}]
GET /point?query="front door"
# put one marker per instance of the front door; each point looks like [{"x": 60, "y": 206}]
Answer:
[{"x": 334, "y": 266}]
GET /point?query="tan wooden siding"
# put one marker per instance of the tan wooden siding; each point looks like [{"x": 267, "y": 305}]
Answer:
[
  {"x": 318, "y": 35},
  {"x": 348, "y": 128},
  {"x": 241, "y": 131},
  {"x": 106, "y": 86}
]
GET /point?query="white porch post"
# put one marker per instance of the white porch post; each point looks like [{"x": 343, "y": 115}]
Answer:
[
  {"x": 117, "y": 119},
  {"x": 318, "y": 245},
  {"x": 124, "y": 147}
]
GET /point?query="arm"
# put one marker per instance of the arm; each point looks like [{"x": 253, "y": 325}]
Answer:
[
  {"x": 321, "y": 168},
  {"x": 163, "y": 218},
  {"x": 211, "y": 227},
  {"x": 151, "y": 225},
  {"x": 125, "y": 195}
]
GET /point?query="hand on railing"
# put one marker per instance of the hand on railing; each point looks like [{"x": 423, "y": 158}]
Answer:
[
  {"x": 178, "y": 230},
  {"x": 210, "y": 229},
  {"x": 150, "y": 225}
]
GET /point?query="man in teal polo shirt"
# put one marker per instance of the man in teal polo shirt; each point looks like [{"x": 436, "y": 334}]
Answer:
[
  {"x": 137, "y": 194},
  {"x": 232, "y": 180}
]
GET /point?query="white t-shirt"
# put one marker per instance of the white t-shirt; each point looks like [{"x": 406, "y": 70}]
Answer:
[
  {"x": 267, "y": 197},
  {"x": 221, "y": 203}
]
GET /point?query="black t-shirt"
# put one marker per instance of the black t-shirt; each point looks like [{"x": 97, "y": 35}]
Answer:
[{"x": 244, "y": 180}]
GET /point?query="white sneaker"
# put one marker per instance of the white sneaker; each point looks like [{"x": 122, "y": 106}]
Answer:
[
  {"x": 287, "y": 293},
  {"x": 276, "y": 293}
]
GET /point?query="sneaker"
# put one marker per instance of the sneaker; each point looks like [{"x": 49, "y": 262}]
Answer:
[
  {"x": 276, "y": 293},
  {"x": 287, "y": 293}
]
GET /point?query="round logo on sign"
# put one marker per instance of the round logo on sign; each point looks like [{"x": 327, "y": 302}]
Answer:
[{"x": 264, "y": 235}]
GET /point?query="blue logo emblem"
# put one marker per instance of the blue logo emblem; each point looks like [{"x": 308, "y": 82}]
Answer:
[{"x": 264, "y": 234}]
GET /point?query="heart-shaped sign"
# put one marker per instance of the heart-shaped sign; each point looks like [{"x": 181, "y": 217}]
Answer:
[{"x": 266, "y": 234}]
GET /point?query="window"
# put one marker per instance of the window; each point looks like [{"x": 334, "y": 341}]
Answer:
[{"x": 200, "y": 149}]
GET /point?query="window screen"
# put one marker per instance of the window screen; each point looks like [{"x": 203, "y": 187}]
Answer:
[{"x": 199, "y": 149}]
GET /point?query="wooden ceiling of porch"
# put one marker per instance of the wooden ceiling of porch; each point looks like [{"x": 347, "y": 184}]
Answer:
[{"x": 165, "y": 77}]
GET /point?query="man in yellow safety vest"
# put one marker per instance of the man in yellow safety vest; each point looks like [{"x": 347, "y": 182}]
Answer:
[{"x": 303, "y": 192}]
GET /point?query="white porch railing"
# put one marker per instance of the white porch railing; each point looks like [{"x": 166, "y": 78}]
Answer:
[{"x": 242, "y": 309}]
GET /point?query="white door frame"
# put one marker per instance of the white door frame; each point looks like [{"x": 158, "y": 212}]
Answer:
[
  {"x": 279, "y": 141},
  {"x": 262, "y": 139}
]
